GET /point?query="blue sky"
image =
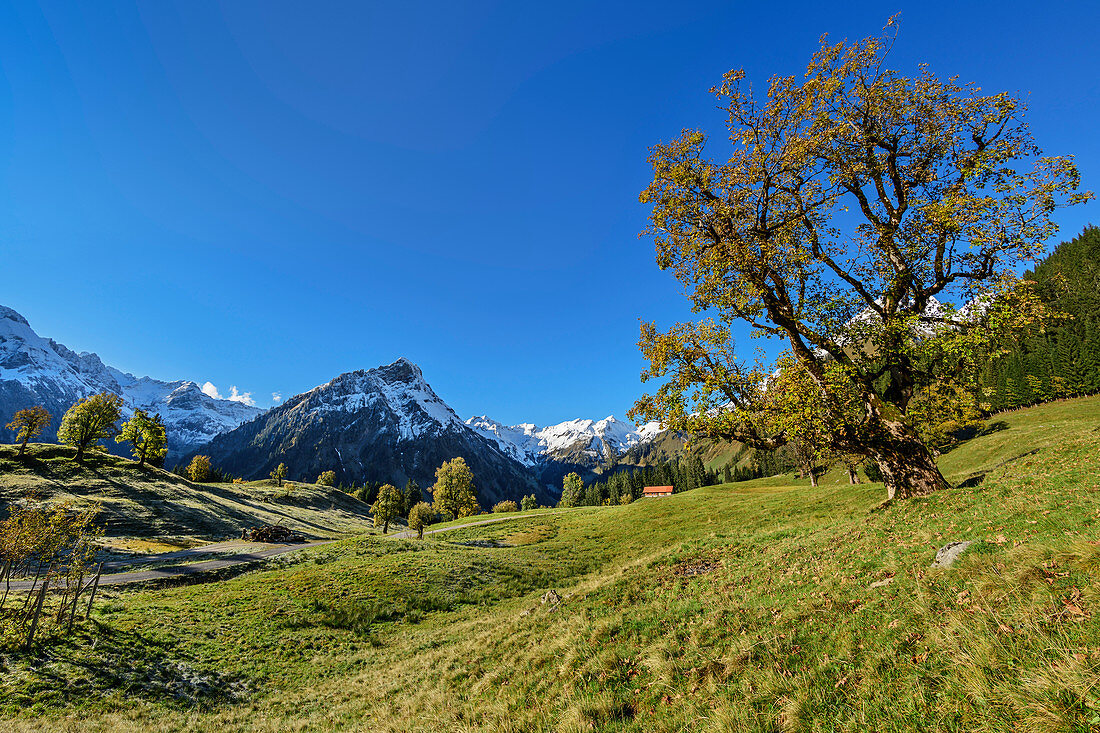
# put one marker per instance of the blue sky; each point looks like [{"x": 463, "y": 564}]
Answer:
[{"x": 267, "y": 194}]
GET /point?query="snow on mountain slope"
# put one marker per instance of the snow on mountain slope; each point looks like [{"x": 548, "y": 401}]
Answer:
[
  {"x": 596, "y": 439},
  {"x": 382, "y": 424},
  {"x": 400, "y": 386},
  {"x": 35, "y": 370}
]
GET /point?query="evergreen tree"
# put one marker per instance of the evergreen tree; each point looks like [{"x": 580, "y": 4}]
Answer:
[{"x": 413, "y": 495}]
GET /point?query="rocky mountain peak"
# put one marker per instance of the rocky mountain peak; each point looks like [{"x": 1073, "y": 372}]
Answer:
[
  {"x": 7, "y": 314},
  {"x": 40, "y": 371}
]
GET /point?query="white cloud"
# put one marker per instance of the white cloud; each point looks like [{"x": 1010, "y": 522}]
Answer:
[
  {"x": 245, "y": 397},
  {"x": 276, "y": 396},
  {"x": 234, "y": 395}
]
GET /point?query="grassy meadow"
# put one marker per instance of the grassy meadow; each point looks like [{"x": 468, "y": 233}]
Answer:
[
  {"x": 755, "y": 606},
  {"x": 148, "y": 509}
]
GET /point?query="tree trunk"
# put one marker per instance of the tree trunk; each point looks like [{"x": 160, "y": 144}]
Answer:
[
  {"x": 853, "y": 477},
  {"x": 907, "y": 466},
  {"x": 813, "y": 477},
  {"x": 23, "y": 447}
]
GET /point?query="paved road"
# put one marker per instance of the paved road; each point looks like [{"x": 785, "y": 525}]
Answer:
[
  {"x": 162, "y": 572},
  {"x": 253, "y": 552}
]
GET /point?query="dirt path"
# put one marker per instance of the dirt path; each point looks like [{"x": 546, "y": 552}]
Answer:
[{"x": 409, "y": 534}]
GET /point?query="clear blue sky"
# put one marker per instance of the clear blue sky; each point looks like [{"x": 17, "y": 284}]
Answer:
[{"x": 267, "y": 194}]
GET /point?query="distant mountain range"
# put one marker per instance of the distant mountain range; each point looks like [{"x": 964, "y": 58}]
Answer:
[
  {"x": 382, "y": 424},
  {"x": 39, "y": 371}
]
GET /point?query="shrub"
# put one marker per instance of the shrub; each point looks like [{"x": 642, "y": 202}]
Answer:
[
  {"x": 505, "y": 506},
  {"x": 327, "y": 478},
  {"x": 529, "y": 503}
]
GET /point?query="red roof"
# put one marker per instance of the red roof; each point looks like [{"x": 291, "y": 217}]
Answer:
[{"x": 657, "y": 490}]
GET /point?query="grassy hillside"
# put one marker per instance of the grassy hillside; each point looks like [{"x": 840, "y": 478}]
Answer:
[
  {"x": 148, "y": 502},
  {"x": 757, "y": 606}
]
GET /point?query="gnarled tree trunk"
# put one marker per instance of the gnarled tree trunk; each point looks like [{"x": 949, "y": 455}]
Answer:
[{"x": 907, "y": 466}]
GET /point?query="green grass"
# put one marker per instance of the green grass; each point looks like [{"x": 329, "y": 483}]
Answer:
[
  {"x": 148, "y": 502},
  {"x": 740, "y": 607}
]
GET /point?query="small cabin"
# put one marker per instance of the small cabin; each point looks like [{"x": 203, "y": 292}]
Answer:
[{"x": 657, "y": 491}]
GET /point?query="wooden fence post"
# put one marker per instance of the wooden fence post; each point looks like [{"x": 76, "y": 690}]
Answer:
[
  {"x": 37, "y": 611},
  {"x": 95, "y": 587}
]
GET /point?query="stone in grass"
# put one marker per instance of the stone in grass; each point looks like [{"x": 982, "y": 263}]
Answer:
[
  {"x": 949, "y": 553},
  {"x": 550, "y": 598},
  {"x": 882, "y": 583}
]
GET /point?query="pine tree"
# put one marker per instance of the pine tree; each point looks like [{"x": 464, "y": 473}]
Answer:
[{"x": 413, "y": 495}]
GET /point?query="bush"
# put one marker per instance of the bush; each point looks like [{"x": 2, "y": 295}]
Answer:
[
  {"x": 529, "y": 503},
  {"x": 505, "y": 506},
  {"x": 874, "y": 475},
  {"x": 327, "y": 478}
]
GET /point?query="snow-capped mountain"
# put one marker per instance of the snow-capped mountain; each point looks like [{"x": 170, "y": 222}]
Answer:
[
  {"x": 586, "y": 443},
  {"x": 383, "y": 424},
  {"x": 39, "y": 371}
]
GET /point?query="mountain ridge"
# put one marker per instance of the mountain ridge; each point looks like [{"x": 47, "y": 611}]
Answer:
[{"x": 35, "y": 370}]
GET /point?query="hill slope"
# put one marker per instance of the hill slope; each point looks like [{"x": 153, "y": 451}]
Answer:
[
  {"x": 758, "y": 606},
  {"x": 152, "y": 503}
]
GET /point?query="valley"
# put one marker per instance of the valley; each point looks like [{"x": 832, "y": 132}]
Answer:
[{"x": 753, "y": 606}]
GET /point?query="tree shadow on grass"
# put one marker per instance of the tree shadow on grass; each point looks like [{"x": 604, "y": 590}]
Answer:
[{"x": 100, "y": 663}]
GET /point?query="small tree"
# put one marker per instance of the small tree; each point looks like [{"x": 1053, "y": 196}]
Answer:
[
  {"x": 28, "y": 424},
  {"x": 420, "y": 516},
  {"x": 529, "y": 503},
  {"x": 454, "y": 493},
  {"x": 851, "y": 464},
  {"x": 327, "y": 478},
  {"x": 199, "y": 469},
  {"x": 572, "y": 490},
  {"x": 278, "y": 474},
  {"x": 387, "y": 506},
  {"x": 146, "y": 435},
  {"x": 90, "y": 420},
  {"x": 505, "y": 506}
]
